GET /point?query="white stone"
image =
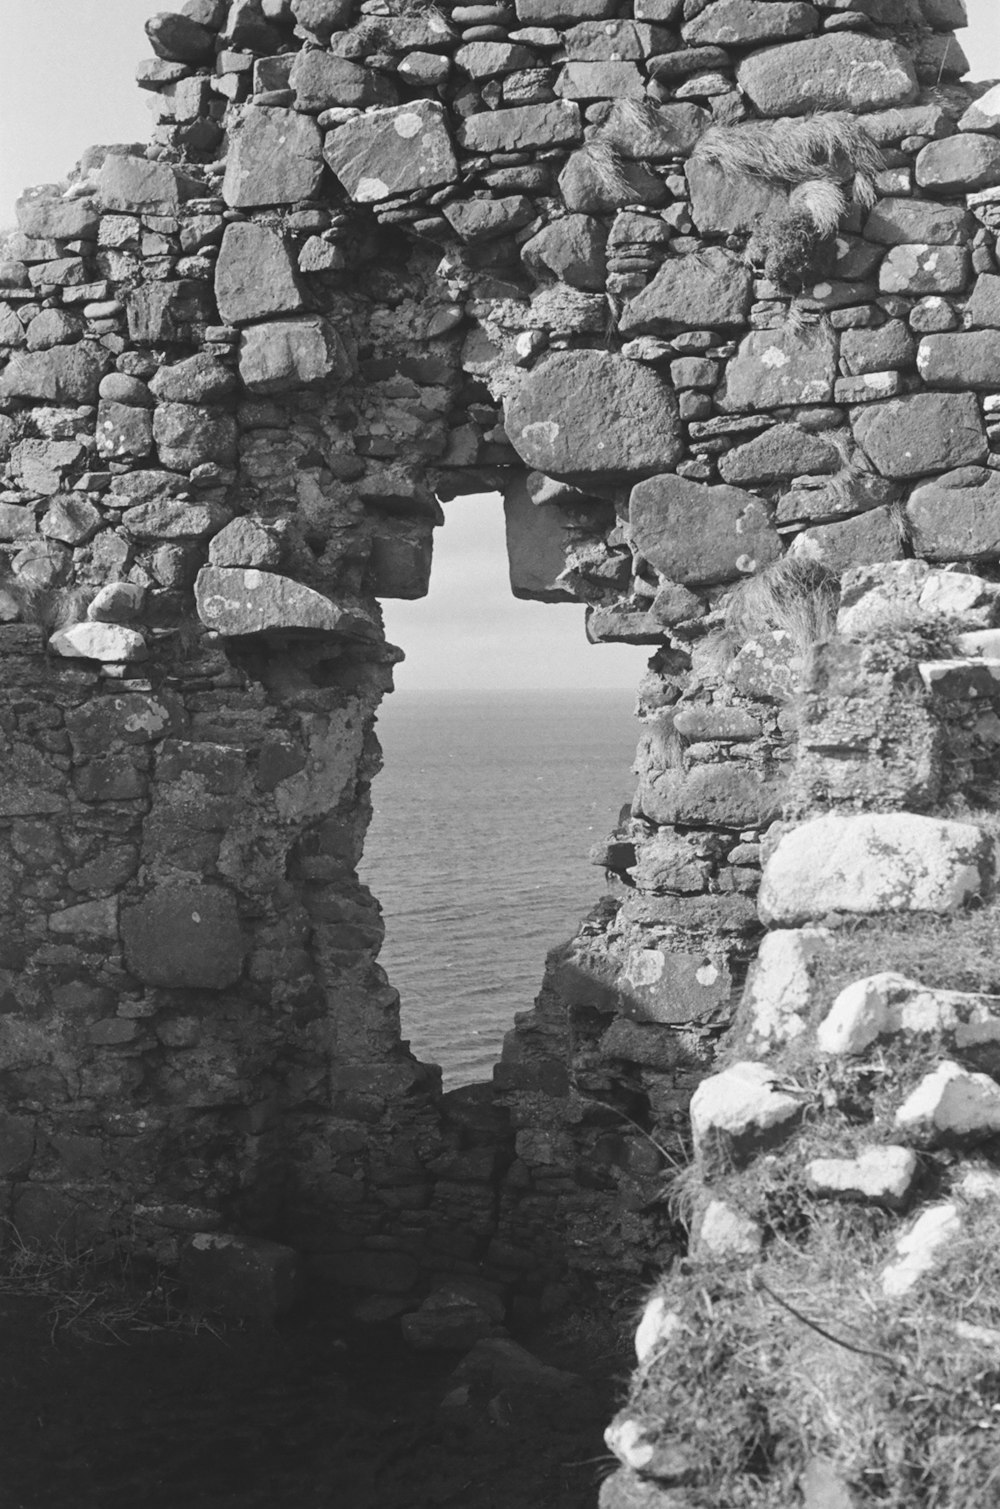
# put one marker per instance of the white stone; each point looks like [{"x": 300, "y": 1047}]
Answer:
[
  {"x": 727, "y": 1233},
  {"x": 984, "y": 113},
  {"x": 885, "y": 1004},
  {"x": 865, "y": 863},
  {"x": 953, "y": 594},
  {"x": 979, "y": 1184},
  {"x": 780, "y": 985},
  {"x": 951, "y": 1103},
  {"x": 732, "y": 1111},
  {"x": 92, "y": 919},
  {"x": 99, "y": 641},
  {"x": 657, "y": 1328},
  {"x": 921, "y": 1248},
  {"x": 878, "y": 1176},
  {"x": 982, "y": 642},
  {"x": 878, "y": 595}
]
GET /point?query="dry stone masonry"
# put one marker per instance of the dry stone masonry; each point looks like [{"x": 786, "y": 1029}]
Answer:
[{"x": 709, "y": 290}]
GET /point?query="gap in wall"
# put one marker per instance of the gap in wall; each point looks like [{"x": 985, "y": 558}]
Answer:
[{"x": 508, "y": 746}]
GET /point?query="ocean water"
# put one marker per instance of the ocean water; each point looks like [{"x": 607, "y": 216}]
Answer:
[{"x": 484, "y": 815}]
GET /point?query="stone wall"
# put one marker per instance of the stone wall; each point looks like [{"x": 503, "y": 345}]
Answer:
[{"x": 716, "y": 349}]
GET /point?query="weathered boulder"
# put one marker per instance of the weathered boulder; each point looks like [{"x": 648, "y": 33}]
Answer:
[
  {"x": 123, "y": 431},
  {"x": 710, "y": 288},
  {"x": 867, "y": 863},
  {"x": 244, "y": 542},
  {"x": 185, "y": 936},
  {"x": 63, "y": 374},
  {"x": 775, "y": 368},
  {"x": 725, "y": 1233},
  {"x": 589, "y": 415},
  {"x": 164, "y": 519},
  {"x": 43, "y": 214},
  {"x": 957, "y": 517},
  {"x": 879, "y": 1176},
  {"x": 951, "y": 1105},
  {"x": 922, "y": 270},
  {"x": 275, "y": 157},
  {"x": 983, "y": 114},
  {"x": 255, "y": 275},
  {"x": 699, "y": 535},
  {"x": 842, "y": 543},
  {"x": 921, "y": 433},
  {"x": 187, "y": 435},
  {"x": 742, "y": 23},
  {"x": 99, "y": 641},
  {"x": 777, "y": 455},
  {"x": 669, "y": 985},
  {"x": 525, "y": 128},
  {"x": 897, "y": 222},
  {"x": 319, "y": 18},
  {"x": 478, "y": 220},
  {"x": 729, "y": 795},
  {"x": 779, "y": 990},
  {"x": 235, "y": 601},
  {"x": 608, "y": 79},
  {"x": 394, "y": 151},
  {"x": 572, "y": 249},
  {"x": 959, "y": 164},
  {"x": 722, "y": 201},
  {"x": 921, "y": 1249},
  {"x": 740, "y": 1112},
  {"x": 562, "y": 12},
  {"x": 196, "y": 379},
  {"x": 966, "y": 359},
  {"x": 537, "y": 543},
  {"x": 839, "y": 71},
  {"x": 128, "y": 185},
  {"x": 322, "y": 81},
  {"x": 284, "y": 354},
  {"x": 179, "y": 38}
]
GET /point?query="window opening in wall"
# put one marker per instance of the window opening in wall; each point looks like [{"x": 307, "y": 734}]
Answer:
[{"x": 508, "y": 745}]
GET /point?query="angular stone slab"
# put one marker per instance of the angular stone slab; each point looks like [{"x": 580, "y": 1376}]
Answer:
[
  {"x": 896, "y": 222},
  {"x": 588, "y": 415},
  {"x": 779, "y": 989},
  {"x": 777, "y": 455},
  {"x": 742, "y": 23},
  {"x": 840, "y": 71},
  {"x": 955, "y": 519},
  {"x": 40, "y": 216},
  {"x": 775, "y": 368},
  {"x": 728, "y": 795},
  {"x": 285, "y": 354},
  {"x": 710, "y": 289},
  {"x": 881, "y": 1176},
  {"x": 740, "y": 1112},
  {"x": 391, "y": 152},
  {"x": 322, "y": 81},
  {"x": 964, "y": 359},
  {"x": 131, "y": 185},
  {"x": 921, "y": 433},
  {"x": 255, "y": 275},
  {"x": 869, "y": 863},
  {"x": 185, "y": 937},
  {"x": 730, "y": 202},
  {"x": 959, "y": 164},
  {"x": 886, "y": 1004},
  {"x": 275, "y": 157},
  {"x": 236, "y": 601},
  {"x": 699, "y": 535},
  {"x": 63, "y": 374},
  {"x": 951, "y": 1105},
  {"x": 921, "y": 270},
  {"x": 525, "y": 128},
  {"x": 98, "y": 641}
]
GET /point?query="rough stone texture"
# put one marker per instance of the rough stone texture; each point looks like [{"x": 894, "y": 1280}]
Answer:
[
  {"x": 393, "y": 151},
  {"x": 736, "y": 1113},
  {"x": 185, "y": 937},
  {"x": 699, "y": 535},
  {"x": 841, "y": 71},
  {"x": 774, "y": 368},
  {"x": 959, "y": 165},
  {"x": 779, "y": 991},
  {"x": 553, "y": 424},
  {"x": 956, "y": 518},
  {"x": 920, "y": 1250},
  {"x": 275, "y": 157},
  {"x": 287, "y": 354},
  {"x": 878, "y": 1176},
  {"x": 710, "y": 288},
  {"x": 924, "y": 432},
  {"x": 744, "y": 23},
  {"x": 867, "y": 863},
  {"x": 235, "y": 602},
  {"x": 951, "y": 1105},
  {"x": 254, "y": 275}
]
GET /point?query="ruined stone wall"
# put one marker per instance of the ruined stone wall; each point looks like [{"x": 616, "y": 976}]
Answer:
[{"x": 715, "y": 348}]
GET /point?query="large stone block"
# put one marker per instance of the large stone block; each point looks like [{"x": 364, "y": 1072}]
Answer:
[
  {"x": 897, "y": 222},
  {"x": 573, "y": 249},
  {"x": 840, "y": 71},
  {"x": 255, "y": 275},
  {"x": 390, "y": 152},
  {"x": 921, "y": 433},
  {"x": 187, "y": 436},
  {"x": 322, "y": 81},
  {"x": 745, "y": 23},
  {"x": 537, "y": 543},
  {"x": 699, "y": 535},
  {"x": 730, "y": 202},
  {"x": 284, "y": 354},
  {"x": 777, "y": 455},
  {"x": 730, "y": 795},
  {"x": 775, "y": 368},
  {"x": 526, "y": 128},
  {"x": 957, "y": 518},
  {"x": 275, "y": 157},
  {"x": 711, "y": 288},
  {"x": 589, "y": 415},
  {"x": 959, "y": 164},
  {"x": 739, "y": 1112},
  {"x": 660, "y": 984},
  {"x": 966, "y": 359},
  {"x": 185, "y": 937},
  {"x": 922, "y": 270},
  {"x": 43, "y": 215},
  {"x": 135, "y": 185},
  {"x": 867, "y": 863},
  {"x": 238, "y": 601},
  {"x": 63, "y": 374},
  {"x": 162, "y": 314}
]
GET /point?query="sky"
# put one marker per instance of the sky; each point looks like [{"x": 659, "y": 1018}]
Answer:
[{"x": 69, "y": 83}]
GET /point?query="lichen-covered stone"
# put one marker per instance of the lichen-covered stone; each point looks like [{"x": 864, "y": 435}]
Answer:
[
  {"x": 744, "y": 23},
  {"x": 285, "y": 354},
  {"x": 896, "y": 222},
  {"x": 275, "y": 157},
  {"x": 779, "y": 990},
  {"x": 775, "y": 368},
  {"x": 951, "y": 1105},
  {"x": 699, "y": 535},
  {"x": 185, "y": 936},
  {"x": 921, "y": 270},
  {"x": 321, "y": 80},
  {"x": 128, "y": 185},
  {"x": 839, "y": 71},
  {"x": 236, "y": 601},
  {"x": 64, "y": 374},
  {"x": 921, "y": 433},
  {"x": 881, "y": 1176},
  {"x": 187, "y": 435},
  {"x": 589, "y": 414},
  {"x": 969, "y": 359},
  {"x": 866, "y": 863},
  {"x": 394, "y": 151},
  {"x": 959, "y": 164}
]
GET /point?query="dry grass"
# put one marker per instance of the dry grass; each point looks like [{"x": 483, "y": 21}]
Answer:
[
  {"x": 804, "y": 1357},
  {"x": 50, "y": 608},
  {"x": 607, "y": 171},
  {"x": 830, "y": 145},
  {"x": 798, "y": 596},
  {"x": 92, "y": 1297}
]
